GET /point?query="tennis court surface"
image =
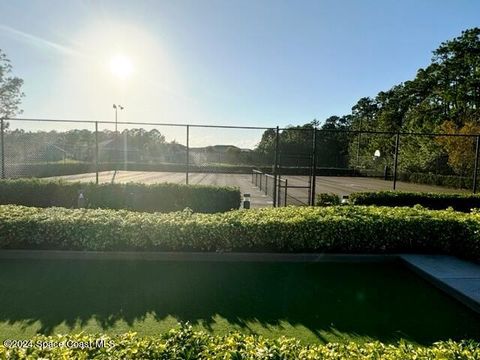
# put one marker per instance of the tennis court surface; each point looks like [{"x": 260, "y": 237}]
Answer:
[{"x": 295, "y": 196}]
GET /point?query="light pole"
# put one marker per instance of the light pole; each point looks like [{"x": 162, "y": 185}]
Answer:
[
  {"x": 117, "y": 150},
  {"x": 117, "y": 107}
]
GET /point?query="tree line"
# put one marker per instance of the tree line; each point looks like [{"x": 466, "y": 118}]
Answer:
[{"x": 444, "y": 97}]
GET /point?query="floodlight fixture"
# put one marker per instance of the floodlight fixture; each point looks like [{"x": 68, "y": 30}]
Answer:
[{"x": 117, "y": 107}]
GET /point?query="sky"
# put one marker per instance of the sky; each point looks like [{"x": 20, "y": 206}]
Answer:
[{"x": 223, "y": 62}]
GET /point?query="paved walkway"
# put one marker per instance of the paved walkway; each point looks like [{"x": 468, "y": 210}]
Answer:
[{"x": 458, "y": 278}]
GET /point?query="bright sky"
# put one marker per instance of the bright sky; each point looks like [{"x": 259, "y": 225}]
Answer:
[{"x": 235, "y": 62}]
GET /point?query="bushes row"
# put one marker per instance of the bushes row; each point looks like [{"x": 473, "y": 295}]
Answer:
[
  {"x": 435, "y": 201},
  {"x": 338, "y": 229},
  {"x": 47, "y": 169},
  {"x": 185, "y": 343},
  {"x": 453, "y": 181},
  {"x": 161, "y": 197},
  {"x": 327, "y": 199}
]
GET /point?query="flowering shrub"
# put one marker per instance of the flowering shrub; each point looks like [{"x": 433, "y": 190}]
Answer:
[{"x": 185, "y": 343}]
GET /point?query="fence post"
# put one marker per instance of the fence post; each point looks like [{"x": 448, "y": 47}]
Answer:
[
  {"x": 314, "y": 166},
  {"x": 279, "y": 189},
  {"x": 96, "y": 152},
  {"x": 477, "y": 149},
  {"x": 395, "y": 164},
  {"x": 358, "y": 143},
  {"x": 187, "y": 165},
  {"x": 2, "y": 139},
  {"x": 286, "y": 187},
  {"x": 275, "y": 166}
]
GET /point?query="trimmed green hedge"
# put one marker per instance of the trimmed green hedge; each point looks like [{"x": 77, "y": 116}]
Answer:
[
  {"x": 345, "y": 229},
  {"x": 185, "y": 343},
  {"x": 163, "y": 197},
  {"x": 453, "y": 181},
  {"x": 434, "y": 201},
  {"x": 327, "y": 199}
]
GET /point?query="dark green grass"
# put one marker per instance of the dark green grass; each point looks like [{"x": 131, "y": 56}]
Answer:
[{"x": 315, "y": 302}]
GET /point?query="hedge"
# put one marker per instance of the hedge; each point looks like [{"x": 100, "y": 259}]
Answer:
[
  {"x": 185, "y": 343},
  {"x": 161, "y": 197},
  {"x": 340, "y": 229},
  {"x": 434, "y": 201},
  {"x": 453, "y": 181},
  {"x": 327, "y": 199}
]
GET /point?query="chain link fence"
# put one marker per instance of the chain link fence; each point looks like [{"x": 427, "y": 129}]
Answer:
[{"x": 279, "y": 166}]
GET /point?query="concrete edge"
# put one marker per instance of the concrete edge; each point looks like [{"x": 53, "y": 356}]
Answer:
[
  {"x": 193, "y": 256},
  {"x": 438, "y": 283}
]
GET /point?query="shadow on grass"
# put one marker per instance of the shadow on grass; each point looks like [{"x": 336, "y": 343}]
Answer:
[{"x": 381, "y": 301}]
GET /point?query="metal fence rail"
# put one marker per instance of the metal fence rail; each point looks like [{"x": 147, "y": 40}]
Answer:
[{"x": 274, "y": 187}]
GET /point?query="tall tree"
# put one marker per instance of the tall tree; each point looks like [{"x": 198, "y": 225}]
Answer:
[
  {"x": 332, "y": 142},
  {"x": 446, "y": 90},
  {"x": 10, "y": 89},
  {"x": 461, "y": 150}
]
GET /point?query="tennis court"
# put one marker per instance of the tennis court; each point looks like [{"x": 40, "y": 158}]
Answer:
[
  {"x": 344, "y": 185},
  {"x": 297, "y": 191}
]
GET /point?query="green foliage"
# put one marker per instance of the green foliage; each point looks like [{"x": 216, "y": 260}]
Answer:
[
  {"x": 10, "y": 88},
  {"x": 333, "y": 142},
  {"x": 296, "y": 144},
  {"x": 185, "y": 343},
  {"x": 326, "y": 199},
  {"x": 446, "y": 90},
  {"x": 347, "y": 229},
  {"x": 434, "y": 201},
  {"x": 161, "y": 197},
  {"x": 452, "y": 181},
  {"x": 461, "y": 150}
]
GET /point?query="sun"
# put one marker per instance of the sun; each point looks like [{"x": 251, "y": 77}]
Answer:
[{"x": 121, "y": 66}]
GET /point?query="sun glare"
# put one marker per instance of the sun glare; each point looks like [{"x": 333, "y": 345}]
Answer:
[{"x": 121, "y": 66}]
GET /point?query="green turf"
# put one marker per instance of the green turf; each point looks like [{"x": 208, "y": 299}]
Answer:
[{"x": 315, "y": 302}]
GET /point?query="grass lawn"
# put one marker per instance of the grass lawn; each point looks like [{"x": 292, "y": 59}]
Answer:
[{"x": 315, "y": 302}]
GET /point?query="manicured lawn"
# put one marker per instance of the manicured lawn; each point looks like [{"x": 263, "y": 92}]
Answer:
[{"x": 315, "y": 302}]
